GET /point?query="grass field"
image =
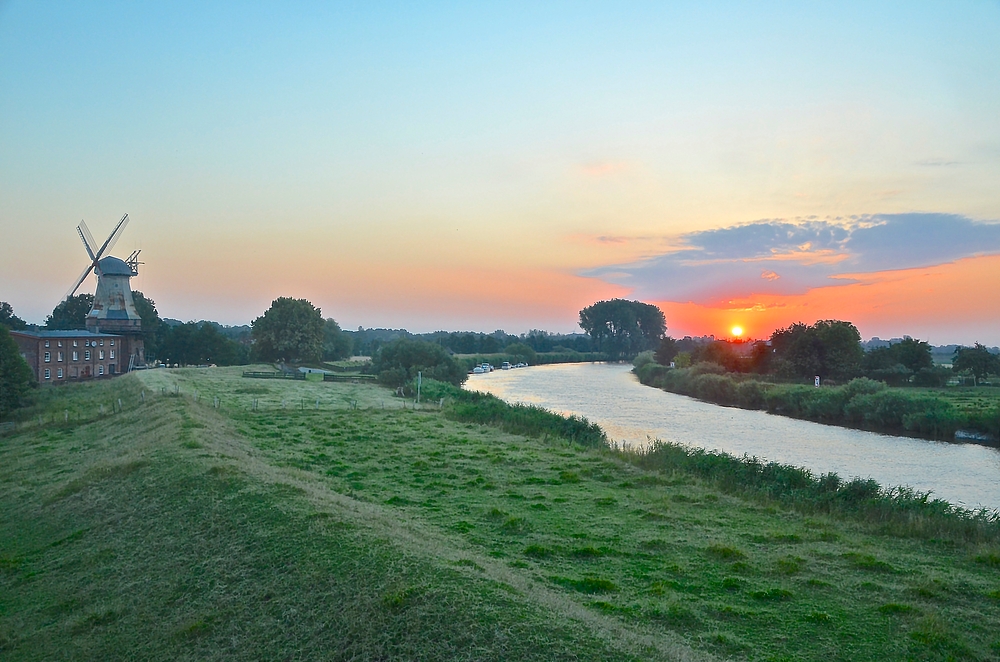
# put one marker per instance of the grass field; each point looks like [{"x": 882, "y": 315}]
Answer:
[{"x": 333, "y": 523}]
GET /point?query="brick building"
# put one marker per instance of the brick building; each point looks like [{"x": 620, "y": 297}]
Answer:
[{"x": 61, "y": 356}]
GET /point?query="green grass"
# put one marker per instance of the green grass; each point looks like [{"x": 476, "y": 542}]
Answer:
[{"x": 174, "y": 530}]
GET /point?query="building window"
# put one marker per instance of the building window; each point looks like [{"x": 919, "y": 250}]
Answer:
[
  {"x": 59, "y": 373},
  {"x": 48, "y": 374},
  {"x": 59, "y": 356},
  {"x": 102, "y": 342},
  {"x": 112, "y": 343},
  {"x": 46, "y": 343},
  {"x": 48, "y": 357},
  {"x": 59, "y": 344},
  {"x": 100, "y": 355},
  {"x": 86, "y": 355},
  {"x": 100, "y": 369},
  {"x": 112, "y": 355},
  {"x": 76, "y": 356},
  {"x": 75, "y": 343}
]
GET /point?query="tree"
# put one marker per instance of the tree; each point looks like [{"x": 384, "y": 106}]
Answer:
[
  {"x": 721, "y": 353},
  {"x": 15, "y": 375},
  {"x": 521, "y": 352},
  {"x": 9, "y": 319},
  {"x": 828, "y": 348},
  {"x": 623, "y": 328},
  {"x": 397, "y": 363},
  {"x": 290, "y": 330},
  {"x": 71, "y": 313},
  {"x": 666, "y": 351},
  {"x": 336, "y": 343},
  {"x": 152, "y": 334},
  {"x": 977, "y": 359},
  {"x": 914, "y": 354},
  {"x": 198, "y": 344}
]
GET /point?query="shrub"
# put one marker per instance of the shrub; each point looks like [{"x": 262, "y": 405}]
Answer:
[
  {"x": 399, "y": 361},
  {"x": 643, "y": 358},
  {"x": 750, "y": 395},
  {"x": 714, "y": 388}
]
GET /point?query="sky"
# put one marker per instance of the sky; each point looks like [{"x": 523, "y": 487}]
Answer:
[{"x": 482, "y": 166}]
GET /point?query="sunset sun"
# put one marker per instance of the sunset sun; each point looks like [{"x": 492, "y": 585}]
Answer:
[{"x": 737, "y": 331}]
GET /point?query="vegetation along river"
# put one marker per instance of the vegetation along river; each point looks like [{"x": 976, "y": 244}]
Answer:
[{"x": 967, "y": 475}]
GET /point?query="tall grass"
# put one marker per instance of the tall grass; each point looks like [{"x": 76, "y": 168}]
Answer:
[
  {"x": 897, "y": 510},
  {"x": 486, "y": 409}
]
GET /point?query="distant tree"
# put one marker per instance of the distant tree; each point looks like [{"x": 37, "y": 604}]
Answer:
[
  {"x": 9, "y": 319},
  {"x": 914, "y": 354},
  {"x": 397, "y": 363},
  {"x": 15, "y": 375},
  {"x": 721, "y": 353},
  {"x": 71, "y": 313},
  {"x": 976, "y": 359},
  {"x": 199, "y": 344},
  {"x": 623, "y": 328},
  {"x": 290, "y": 330},
  {"x": 152, "y": 334},
  {"x": 489, "y": 345},
  {"x": 666, "y": 351},
  {"x": 336, "y": 343},
  {"x": 519, "y": 351},
  {"x": 538, "y": 340},
  {"x": 841, "y": 349},
  {"x": 898, "y": 363},
  {"x": 828, "y": 348}
]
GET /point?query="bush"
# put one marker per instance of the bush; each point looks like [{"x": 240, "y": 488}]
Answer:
[
  {"x": 643, "y": 358},
  {"x": 398, "y": 362},
  {"x": 750, "y": 395},
  {"x": 933, "y": 377},
  {"x": 714, "y": 388}
]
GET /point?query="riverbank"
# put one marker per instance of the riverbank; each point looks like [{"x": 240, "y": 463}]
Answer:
[
  {"x": 333, "y": 522},
  {"x": 861, "y": 403}
]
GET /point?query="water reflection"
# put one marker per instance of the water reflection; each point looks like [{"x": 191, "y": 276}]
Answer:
[{"x": 609, "y": 395}]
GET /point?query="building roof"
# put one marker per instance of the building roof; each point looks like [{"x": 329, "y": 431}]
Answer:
[
  {"x": 112, "y": 266},
  {"x": 72, "y": 333}
]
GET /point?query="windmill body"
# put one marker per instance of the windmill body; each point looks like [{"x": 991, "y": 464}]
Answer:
[{"x": 114, "y": 309}]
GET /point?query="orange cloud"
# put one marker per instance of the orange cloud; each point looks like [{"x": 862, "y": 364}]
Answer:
[
  {"x": 603, "y": 168},
  {"x": 954, "y": 302}
]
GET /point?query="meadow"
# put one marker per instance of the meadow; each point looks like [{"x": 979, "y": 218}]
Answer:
[{"x": 214, "y": 517}]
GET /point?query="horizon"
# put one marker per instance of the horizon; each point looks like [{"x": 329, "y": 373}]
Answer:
[{"x": 504, "y": 166}]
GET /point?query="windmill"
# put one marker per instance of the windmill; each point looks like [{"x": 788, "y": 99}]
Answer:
[
  {"x": 114, "y": 310},
  {"x": 96, "y": 254}
]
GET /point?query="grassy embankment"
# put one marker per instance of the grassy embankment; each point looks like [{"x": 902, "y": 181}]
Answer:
[
  {"x": 175, "y": 530},
  {"x": 932, "y": 413}
]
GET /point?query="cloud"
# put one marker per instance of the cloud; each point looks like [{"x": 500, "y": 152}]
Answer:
[
  {"x": 603, "y": 168},
  {"x": 780, "y": 257}
]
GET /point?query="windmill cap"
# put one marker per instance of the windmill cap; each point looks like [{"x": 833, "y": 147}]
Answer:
[{"x": 112, "y": 266}]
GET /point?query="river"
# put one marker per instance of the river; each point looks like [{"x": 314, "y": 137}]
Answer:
[{"x": 967, "y": 475}]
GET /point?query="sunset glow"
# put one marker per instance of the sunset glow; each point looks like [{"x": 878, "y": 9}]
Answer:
[{"x": 480, "y": 169}]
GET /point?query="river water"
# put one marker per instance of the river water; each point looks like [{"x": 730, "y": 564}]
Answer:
[{"x": 967, "y": 475}]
